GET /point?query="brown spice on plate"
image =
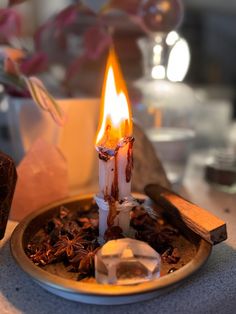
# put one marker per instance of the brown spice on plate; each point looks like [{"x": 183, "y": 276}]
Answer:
[{"x": 71, "y": 237}]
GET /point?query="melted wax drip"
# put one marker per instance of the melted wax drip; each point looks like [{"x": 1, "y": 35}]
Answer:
[
  {"x": 130, "y": 161},
  {"x": 112, "y": 212},
  {"x": 103, "y": 156},
  {"x": 115, "y": 187},
  {"x": 114, "y": 197},
  {"x": 111, "y": 199}
]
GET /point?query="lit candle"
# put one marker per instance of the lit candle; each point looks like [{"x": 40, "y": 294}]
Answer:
[{"x": 114, "y": 144}]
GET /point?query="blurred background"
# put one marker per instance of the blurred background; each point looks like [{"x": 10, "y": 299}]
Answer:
[
  {"x": 208, "y": 26},
  {"x": 180, "y": 72}
]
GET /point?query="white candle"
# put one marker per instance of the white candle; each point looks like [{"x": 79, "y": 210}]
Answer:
[
  {"x": 114, "y": 143},
  {"x": 114, "y": 174}
]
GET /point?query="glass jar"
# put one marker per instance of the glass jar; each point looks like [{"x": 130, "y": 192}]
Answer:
[
  {"x": 166, "y": 108},
  {"x": 164, "y": 103}
]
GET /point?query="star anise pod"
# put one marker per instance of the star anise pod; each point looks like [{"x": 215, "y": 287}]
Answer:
[
  {"x": 32, "y": 248},
  {"x": 89, "y": 227},
  {"x": 54, "y": 228},
  {"x": 70, "y": 228},
  {"x": 81, "y": 253},
  {"x": 140, "y": 219},
  {"x": 69, "y": 247},
  {"x": 85, "y": 223},
  {"x": 40, "y": 237},
  {"x": 156, "y": 240},
  {"x": 43, "y": 255},
  {"x": 88, "y": 223},
  {"x": 63, "y": 213},
  {"x": 38, "y": 241},
  {"x": 86, "y": 264},
  {"x": 53, "y": 224},
  {"x": 74, "y": 261},
  {"x": 93, "y": 245},
  {"x": 83, "y": 262}
]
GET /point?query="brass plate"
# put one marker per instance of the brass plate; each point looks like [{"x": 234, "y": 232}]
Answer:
[{"x": 54, "y": 279}]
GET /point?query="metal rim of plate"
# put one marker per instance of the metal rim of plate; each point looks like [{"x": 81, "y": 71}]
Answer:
[{"x": 93, "y": 293}]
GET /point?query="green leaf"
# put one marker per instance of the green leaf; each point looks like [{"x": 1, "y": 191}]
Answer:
[{"x": 12, "y": 81}]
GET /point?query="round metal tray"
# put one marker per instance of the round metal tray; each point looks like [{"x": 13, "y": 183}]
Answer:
[{"x": 89, "y": 291}]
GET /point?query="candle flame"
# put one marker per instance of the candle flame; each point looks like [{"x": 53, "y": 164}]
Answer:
[{"x": 115, "y": 122}]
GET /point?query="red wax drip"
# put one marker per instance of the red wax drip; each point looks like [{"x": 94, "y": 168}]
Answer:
[
  {"x": 130, "y": 161},
  {"x": 114, "y": 187}
]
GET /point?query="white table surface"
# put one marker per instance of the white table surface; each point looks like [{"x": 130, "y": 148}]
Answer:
[{"x": 210, "y": 290}]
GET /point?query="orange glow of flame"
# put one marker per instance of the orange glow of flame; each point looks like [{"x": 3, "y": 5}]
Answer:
[{"x": 115, "y": 121}]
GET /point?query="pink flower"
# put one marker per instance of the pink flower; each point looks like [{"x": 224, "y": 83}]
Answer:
[
  {"x": 96, "y": 41},
  {"x": 74, "y": 68},
  {"x": 35, "y": 64},
  {"x": 10, "y": 24},
  {"x": 66, "y": 17},
  {"x": 57, "y": 23}
]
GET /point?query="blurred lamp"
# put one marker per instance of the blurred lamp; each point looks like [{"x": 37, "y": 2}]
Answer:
[{"x": 178, "y": 58}]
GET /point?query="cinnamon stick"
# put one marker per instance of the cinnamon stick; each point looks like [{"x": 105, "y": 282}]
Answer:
[{"x": 193, "y": 217}]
